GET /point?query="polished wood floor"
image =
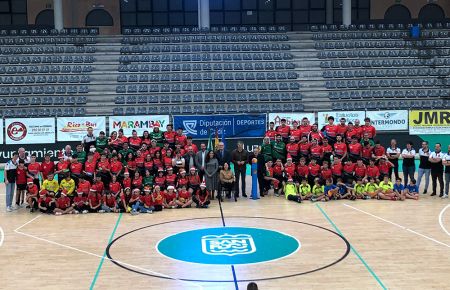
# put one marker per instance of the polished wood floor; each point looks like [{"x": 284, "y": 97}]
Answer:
[{"x": 396, "y": 245}]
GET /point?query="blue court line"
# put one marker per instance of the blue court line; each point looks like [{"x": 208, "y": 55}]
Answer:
[
  {"x": 353, "y": 249},
  {"x": 104, "y": 253}
]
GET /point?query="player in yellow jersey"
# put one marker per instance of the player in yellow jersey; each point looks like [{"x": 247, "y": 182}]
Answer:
[
  {"x": 305, "y": 189},
  {"x": 318, "y": 191},
  {"x": 50, "y": 184},
  {"x": 386, "y": 190},
  {"x": 372, "y": 188}
]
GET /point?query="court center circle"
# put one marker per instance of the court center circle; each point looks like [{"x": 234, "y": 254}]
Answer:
[
  {"x": 340, "y": 258},
  {"x": 228, "y": 245}
]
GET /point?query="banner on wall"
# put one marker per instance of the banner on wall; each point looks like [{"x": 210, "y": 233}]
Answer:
[
  {"x": 396, "y": 120},
  {"x": 138, "y": 123},
  {"x": 75, "y": 128},
  {"x": 199, "y": 126},
  {"x": 429, "y": 122},
  {"x": 30, "y": 131},
  {"x": 290, "y": 117},
  {"x": 350, "y": 116},
  {"x": 1, "y": 131}
]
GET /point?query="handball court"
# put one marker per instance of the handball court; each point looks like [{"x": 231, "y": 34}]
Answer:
[{"x": 365, "y": 244}]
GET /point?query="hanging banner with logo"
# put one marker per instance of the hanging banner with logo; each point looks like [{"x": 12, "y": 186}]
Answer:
[
  {"x": 138, "y": 123},
  {"x": 233, "y": 125},
  {"x": 75, "y": 128},
  {"x": 1, "y": 131},
  {"x": 350, "y": 116},
  {"x": 30, "y": 131},
  {"x": 290, "y": 117},
  {"x": 396, "y": 120},
  {"x": 429, "y": 122}
]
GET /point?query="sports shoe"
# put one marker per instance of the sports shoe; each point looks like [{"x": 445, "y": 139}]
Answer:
[
  {"x": 9, "y": 209},
  {"x": 32, "y": 210},
  {"x": 424, "y": 192},
  {"x": 367, "y": 197},
  {"x": 101, "y": 211},
  {"x": 441, "y": 195},
  {"x": 445, "y": 196},
  {"x": 244, "y": 195},
  {"x": 75, "y": 211},
  {"x": 133, "y": 212},
  {"x": 433, "y": 194},
  {"x": 58, "y": 213},
  {"x": 149, "y": 211},
  {"x": 84, "y": 211}
]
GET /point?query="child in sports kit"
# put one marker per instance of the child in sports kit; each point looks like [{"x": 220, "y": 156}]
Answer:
[
  {"x": 158, "y": 198},
  {"x": 313, "y": 172},
  {"x": 345, "y": 189},
  {"x": 399, "y": 189},
  {"x": 160, "y": 180},
  {"x": 32, "y": 195},
  {"x": 201, "y": 197},
  {"x": 278, "y": 169},
  {"x": 94, "y": 201},
  {"x": 171, "y": 178},
  {"x": 301, "y": 172},
  {"x": 125, "y": 197},
  {"x": 80, "y": 203},
  {"x": 194, "y": 180},
  {"x": 305, "y": 189},
  {"x": 269, "y": 179},
  {"x": 135, "y": 201},
  {"x": 318, "y": 191},
  {"x": 146, "y": 201},
  {"x": 372, "y": 188},
  {"x": 50, "y": 184},
  {"x": 360, "y": 189},
  {"x": 348, "y": 170},
  {"x": 63, "y": 205},
  {"x": 386, "y": 189},
  {"x": 331, "y": 190},
  {"x": 411, "y": 190},
  {"x": 184, "y": 198},
  {"x": 109, "y": 202},
  {"x": 170, "y": 197},
  {"x": 115, "y": 188},
  {"x": 291, "y": 191},
  {"x": 21, "y": 182},
  {"x": 336, "y": 169},
  {"x": 47, "y": 203}
]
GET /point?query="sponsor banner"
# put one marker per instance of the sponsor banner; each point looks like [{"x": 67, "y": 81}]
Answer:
[
  {"x": 350, "y": 116},
  {"x": 75, "y": 128},
  {"x": 30, "y": 131},
  {"x": 233, "y": 125},
  {"x": 396, "y": 120},
  {"x": 6, "y": 151},
  {"x": 429, "y": 122},
  {"x": 138, "y": 123},
  {"x": 290, "y": 117},
  {"x": 1, "y": 131}
]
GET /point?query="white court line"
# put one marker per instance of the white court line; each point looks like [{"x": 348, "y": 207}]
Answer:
[
  {"x": 106, "y": 258},
  {"x": 441, "y": 223},
  {"x": 2, "y": 236},
  {"x": 28, "y": 222},
  {"x": 400, "y": 226}
]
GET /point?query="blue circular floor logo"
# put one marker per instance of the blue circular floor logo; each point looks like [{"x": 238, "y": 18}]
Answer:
[{"x": 228, "y": 246}]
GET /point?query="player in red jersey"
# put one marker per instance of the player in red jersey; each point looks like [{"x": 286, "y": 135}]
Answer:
[
  {"x": 94, "y": 200},
  {"x": 170, "y": 135},
  {"x": 153, "y": 148},
  {"x": 360, "y": 170},
  {"x": 303, "y": 148},
  {"x": 316, "y": 151},
  {"x": 201, "y": 197},
  {"x": 180, "y": 138},
  {"x": 134, "y": 141},
  {"x": 354, "y": 149},
  {"x": 289, "y": 168},
  {"x": 170, "y": 197},
  {"x": 21, "y": 182},
  {"x": 325, "y": 171},
  {"x": 194, "y": 180},
  {"x": 136, "y": 181},
  {"x": 139, "y": 159},
  {"x": 123, "y": 204},
  {"x": 327, "y": 150},
  {"x": 369, "y": 129},
  {"x": 34, "y": 170},
  {"x": 296, "y": 132},
  {"x": 47, "y": 166},
  {"x": 315, "y": 133},
  {"x": 160, "y": 179},
  {"x": 271, "y": 132},
  {"x": 366, "y": 152},
  {"x": 184, "y": 198},
  {"x": 384, "y": 165},
  {"x": 47, "y": 203},
  {"x": 189, "y": 143},
  {"x": 135, "y": 201},
  {"x": 76, "y": 169},
  {"x": 378, "y": 151},
  {"x": 348, "y": 171},
  {"x": 116, "y": 166},
  {"x": 284, "y": 130},
  {"x": 278, "y": 170},
  {"x": 301, "y": 171},
  {"x": 358, "y": 128},
  {"x": 90, "y": 167},
  {"x": 32, "y": 195},
  {"x": 313, "y": 171},
  {"x": 109, "y": 203},
  {"x": 373, "y": 171},
  {"x": 146, "y": 201},
  {"x": 330, "y": 130},
  {"x": 342, "y": 128},
  {"x": 158, "y": 198},
  {"x": 63, "y": 205},
  {"x": 336, "y": 169},
  {"x": 305, "y": 127},
  {"x": 115, "y": 188},
  {"x": 182, "y": 179},
  {"x": 292, "y": 149},
  {"x": 340, "y": 148},
  {"x": 351, "y": 132},
  {"x": 62, "y": 167},
  {"x": 171, "y": 178}
]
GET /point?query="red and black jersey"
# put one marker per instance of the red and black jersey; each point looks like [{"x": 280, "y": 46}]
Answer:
[
  {"x": 326, "y": 173},
  {"x": 126, "y": 182},
  {"x": 170, "y": 136},
  {"x": 135, "y": 142},
  {"x": 34, "y": 169},
  {"x": 316, "y": 151},
  {"x": 360, "y": 171},
  {"x": 340, "y": 149},
  {"x": 181, "y": 139},
  {"x": 76, "y": 168},
  {"x": 379, "y": 151},
  {"x": 47, "y": 168},
  {"x": 336, "y": 169},
  {"x": 341, "y": 129},
  {"x": 331, "y": 130},
  {"x": 33, "y": 190},
  {"x": 103, "y": 166},
  {"x": 373, "y": 171},
  {"x": 367, "y": 152},
  {"x": 292, "y": 149},
  {"x": 161, "y": 181},
  {"x": 305, "y": 130},
  {"x": 289, "y": 170},
  {"x": 302, "y": 170},
  {"x": 297, "y": 134},
  {"x": 277, "y": 170},
  {"x": 194, "y": 180},
  {"x": 384, "y": 168},
  {"x": 89, "y": 167},
  {"x": 370, "y": 130},
  {"x": 116, "y": 167},
  {"x": 355, "y": 149},
  {"x": 314, "y": 170},
  {"x": 62, "y": 165},
  {"x": 350, "y": 133},
  {"x": 284, "y": 131},
  {"x": 271, "y": 134},
  {"x": 349, "y": 168},
  {"x": 171, "y": 179},
  {"x": 137, "y": 182},
  {"x": 315, "y": 135},
  {"x": 304, "y": 149}
]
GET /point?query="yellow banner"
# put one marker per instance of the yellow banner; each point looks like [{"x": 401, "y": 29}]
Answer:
[{"x": 429, "y": 122}]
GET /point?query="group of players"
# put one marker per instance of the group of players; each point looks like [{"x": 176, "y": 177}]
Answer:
[{"x": 337, "y": 162}]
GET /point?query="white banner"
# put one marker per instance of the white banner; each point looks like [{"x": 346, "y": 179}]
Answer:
[
  {"x": 350, "y": 116},
  {"x": 290, "y": 117},
  {"x": 138, "y": 123},
  {"x": 396, "y": 120},
  {"x": 30, "y": 131},
  {"x": 1, "y": 131},
  {"x": 75, "y": 128}
]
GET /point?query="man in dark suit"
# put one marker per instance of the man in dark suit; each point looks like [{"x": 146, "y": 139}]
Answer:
[
  {"x": 223, "y": 156},
  {"x": 261, "y": 167},
  {"x": 189, "y": 159},
  {"x": 239, "y": 157},
  {"x": 200, "y": 160}
]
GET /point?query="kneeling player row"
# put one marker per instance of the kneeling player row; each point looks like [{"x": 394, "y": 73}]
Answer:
[
  {"x": 350, "y": 190},
  {"x": 130, "y": 201}
]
